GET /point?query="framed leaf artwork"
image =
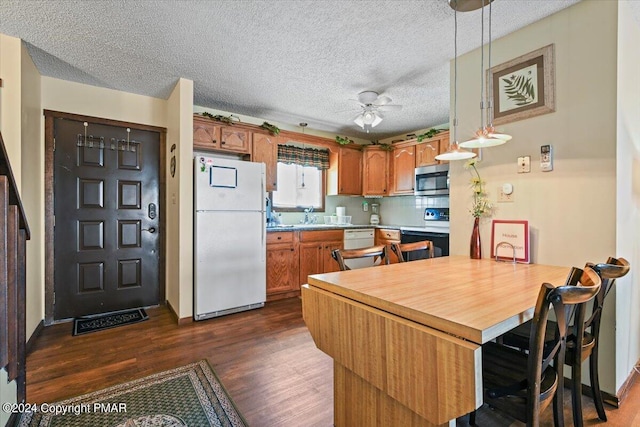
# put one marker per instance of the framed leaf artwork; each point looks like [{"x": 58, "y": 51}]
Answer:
[{"x": 523, "y": 87}]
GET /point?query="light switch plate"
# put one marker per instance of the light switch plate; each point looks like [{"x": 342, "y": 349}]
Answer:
[{"x": 524, "y": 164}]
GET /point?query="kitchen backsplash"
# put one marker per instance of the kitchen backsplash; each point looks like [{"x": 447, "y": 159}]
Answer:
[
  {"x": 408, "y": 210},
  {"x": 397, "y": 210}
]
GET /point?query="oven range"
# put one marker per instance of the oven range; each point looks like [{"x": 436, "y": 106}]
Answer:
[{"x": 437, "y": 231}]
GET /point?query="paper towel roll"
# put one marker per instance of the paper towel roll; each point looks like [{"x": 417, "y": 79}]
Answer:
[{"x": 341, "y": 211}]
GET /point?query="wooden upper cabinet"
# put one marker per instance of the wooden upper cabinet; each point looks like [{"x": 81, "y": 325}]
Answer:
[
  {"x": 265, "y": 150},
  {"x": 375, "y": 173},
  {"x": 345, "y": 172},
  {"x": 426, "y": 153},
  {"x": 403, "y": 164},
  {"x": 215, "y": 136},
  {"x": 444, "y": 146},
  {"x": 235, "y": 139},
  {"x": 206, "y": 134}
]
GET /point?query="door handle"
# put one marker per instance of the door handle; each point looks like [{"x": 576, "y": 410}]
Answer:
[{"x": 150, "y": 229}]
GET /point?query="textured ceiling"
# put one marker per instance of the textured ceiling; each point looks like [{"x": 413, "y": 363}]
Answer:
[{"x": 284, "y": 61}]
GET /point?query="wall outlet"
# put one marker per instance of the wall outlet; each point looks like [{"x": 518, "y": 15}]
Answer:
[
  {"x": 505, "y": 193},
  {"x": 524, "y": 164}
]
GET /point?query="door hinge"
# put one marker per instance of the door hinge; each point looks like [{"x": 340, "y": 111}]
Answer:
[
  {"x": 54, "y": 298},
  {"x": 54, "y": 220},
  {"x": 54, "y": 144}
]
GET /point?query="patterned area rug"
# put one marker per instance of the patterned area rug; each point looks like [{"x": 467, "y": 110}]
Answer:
[
  {"x": 84, "y": 325},
  {"x": 188, "y": 396}
]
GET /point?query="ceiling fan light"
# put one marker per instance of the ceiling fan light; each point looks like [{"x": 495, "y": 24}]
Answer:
[
  {"x": 376, "y": 121},
  {"x": 368, "y": 117},
  {"x": 455, "y": 153},
  {"x": 359, "y": 121}
]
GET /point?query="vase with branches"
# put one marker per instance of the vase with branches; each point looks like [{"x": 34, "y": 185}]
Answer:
[{"x": 481, "y": 206}]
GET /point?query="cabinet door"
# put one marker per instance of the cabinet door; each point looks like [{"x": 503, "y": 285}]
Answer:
[
  {"x": 265, "y": 150},
  {"x": 234, "y": 139},
  {"x": 282, "y": 268},
  {"x": 310, "y": 260},
  {"x": 328, "y": 263},
  {"x": 206, "y": 135},
  {"x": 404, "y": 164},
  {"x": 426, "y": 153},
  {"x": 444, "y": 146},
  {"x": 350, "y": 172},
  {"x": 374, "y": 181}
]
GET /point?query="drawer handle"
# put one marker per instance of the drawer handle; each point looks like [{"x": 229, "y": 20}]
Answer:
[
  {"x": 279, "y": 237},
  {"x": 214, "y": 141},
  {"x": 292, "y": 249},
  {"x": 222, "y": 142}
]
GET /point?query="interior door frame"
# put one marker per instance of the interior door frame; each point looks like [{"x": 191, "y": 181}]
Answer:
[{"x": 49, "y": 265}]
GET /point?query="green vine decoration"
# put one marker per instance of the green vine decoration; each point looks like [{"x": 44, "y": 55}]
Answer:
[
  {"x": 386, "y": 147},
  {"x": 231, "y": 119},
  {"x": 429, "y": 134},
  {"x": 519, "y": 89},
  {"x": 343, "y": 140},
  {"x": 274, "y": 130}
]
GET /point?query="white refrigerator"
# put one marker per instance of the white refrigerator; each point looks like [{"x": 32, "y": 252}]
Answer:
[{"x": 229, "y": 236}]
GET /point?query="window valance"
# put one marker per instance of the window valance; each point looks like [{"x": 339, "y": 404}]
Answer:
[{"x": 303, "y": 156}]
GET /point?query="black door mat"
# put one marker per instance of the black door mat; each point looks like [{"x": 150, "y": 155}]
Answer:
[{"x": 84, "y": 325}]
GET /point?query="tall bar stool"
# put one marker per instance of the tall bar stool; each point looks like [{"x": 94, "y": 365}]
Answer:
[
  {"x": 378, "y": 253},
  {"x": 522, "y": 385},
  {"x": 414, "y": 250},
  {"x": 519, "y": 338}
]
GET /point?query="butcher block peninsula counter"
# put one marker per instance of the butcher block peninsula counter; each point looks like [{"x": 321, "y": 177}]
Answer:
[{"x": 406, "y": 338}]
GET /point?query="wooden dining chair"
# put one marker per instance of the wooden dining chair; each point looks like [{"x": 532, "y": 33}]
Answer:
[
  {"x": 378, "y": 253},
  {"x": 522, "y": 385},
  {"x": 414, "y": 250},
  {"x": 519, "y": 338}
]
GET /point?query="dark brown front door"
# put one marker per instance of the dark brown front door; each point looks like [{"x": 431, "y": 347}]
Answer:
[{"x": 106, "y": 207}]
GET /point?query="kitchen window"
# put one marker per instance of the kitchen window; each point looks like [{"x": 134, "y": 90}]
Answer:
[
  {"x": 299, "y": 187},
  {"x": 301, "y": 178}
]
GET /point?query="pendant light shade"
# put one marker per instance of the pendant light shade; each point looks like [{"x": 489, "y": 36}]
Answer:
[
  {"x": 487, "y": 135},
  {"x": 455, "y": 152}
]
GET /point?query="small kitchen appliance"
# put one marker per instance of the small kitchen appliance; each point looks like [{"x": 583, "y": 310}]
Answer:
[{"x": 375, "y": 216}]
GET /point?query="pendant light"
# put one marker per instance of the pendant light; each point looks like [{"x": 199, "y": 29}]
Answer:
[
  {"x": 486, "y": 136},
  {"x": 455, "y": 152}
]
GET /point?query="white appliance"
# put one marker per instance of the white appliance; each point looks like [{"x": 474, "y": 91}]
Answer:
[
  {"x": 358, "y": 239},
  {"x": 229, "y": 236}
]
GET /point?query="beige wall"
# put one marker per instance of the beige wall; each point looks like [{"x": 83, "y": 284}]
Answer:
[
  {"x": 20, "y": 124},
  {"x": 627, "y": 292},
  {"x": 571, "y": 210},
  {"x": 180, "y": 200},
  {"x": 77, "y": 98},
  {"x": 32, "y": 188}
]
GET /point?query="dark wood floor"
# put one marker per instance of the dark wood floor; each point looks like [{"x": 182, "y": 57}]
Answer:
[{"x": 265, "y": 359}]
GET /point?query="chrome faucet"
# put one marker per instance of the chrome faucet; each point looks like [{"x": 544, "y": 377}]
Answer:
[{"x": 307, "y": 211}]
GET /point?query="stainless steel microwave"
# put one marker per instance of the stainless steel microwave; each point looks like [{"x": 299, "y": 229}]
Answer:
[{"x": 432, "y": 180}]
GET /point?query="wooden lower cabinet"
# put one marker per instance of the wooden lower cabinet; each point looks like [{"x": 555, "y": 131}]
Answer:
[
  {"x": 315, "y": 252},
  {"x": 387, "y": 237},
  {"x": 282, "y": 265}
]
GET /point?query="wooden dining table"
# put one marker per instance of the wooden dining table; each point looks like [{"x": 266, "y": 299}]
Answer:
[{"x": 406, "y": 338}]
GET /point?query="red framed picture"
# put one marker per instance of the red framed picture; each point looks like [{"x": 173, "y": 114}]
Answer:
[{"x": 510, "y": 240}]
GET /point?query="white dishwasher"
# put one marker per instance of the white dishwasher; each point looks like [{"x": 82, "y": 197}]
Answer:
[{"x": 358, "y": 239}]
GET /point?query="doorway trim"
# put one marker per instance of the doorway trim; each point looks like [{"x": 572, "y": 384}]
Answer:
[{"x": 49, "y": 246}]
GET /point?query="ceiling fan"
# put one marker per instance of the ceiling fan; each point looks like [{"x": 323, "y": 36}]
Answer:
[{"x": 372, "y": 104}]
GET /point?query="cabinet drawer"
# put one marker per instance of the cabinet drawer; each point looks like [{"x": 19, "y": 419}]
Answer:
[
  {"x": 388, "y": 234},
  {"x": 279, "y": 237},
  {"x": 385, "y": 234},
  {"x": 321, "y": 236}
]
